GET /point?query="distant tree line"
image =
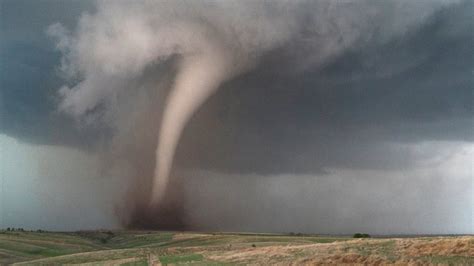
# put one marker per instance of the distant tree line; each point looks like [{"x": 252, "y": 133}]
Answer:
[
  {"x": 12, "y": 229},
  {"x": 360, "y": 235},
  {"x": 20, "y": 229}
]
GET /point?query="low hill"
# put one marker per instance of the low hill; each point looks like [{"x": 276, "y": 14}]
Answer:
[{"x": 144, "y": 248}]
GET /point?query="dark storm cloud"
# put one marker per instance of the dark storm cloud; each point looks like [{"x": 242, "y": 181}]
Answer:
[
  {"x": 417, "y": 87},
  {"x": 29, "y": 77}
]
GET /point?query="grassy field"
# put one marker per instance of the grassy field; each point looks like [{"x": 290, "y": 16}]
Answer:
[{"x": 178, "y": 248}]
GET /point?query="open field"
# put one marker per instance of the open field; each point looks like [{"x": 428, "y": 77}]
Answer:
[{"x": 177, "y": 248}]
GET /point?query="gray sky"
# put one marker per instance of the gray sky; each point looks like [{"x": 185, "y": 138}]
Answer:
[{"x": 325, "y": 117}]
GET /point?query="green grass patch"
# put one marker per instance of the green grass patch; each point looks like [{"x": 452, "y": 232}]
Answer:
[
  {"x": 200, "y": 241},
  {"x": 49, "y": 252},
  {"x": 143, "y": 262},
  {"x": 94, "y": 257},
  {"x": 176, "y": 259},
  {"x": 134, "y": 241}
]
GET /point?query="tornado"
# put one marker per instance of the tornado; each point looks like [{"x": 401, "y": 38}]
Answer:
[
  {"x": 199, "y": 76},
  {"x": 113, "y": 49}
]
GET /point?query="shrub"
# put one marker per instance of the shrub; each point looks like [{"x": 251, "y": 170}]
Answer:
[{"x": 359, "y": 235}]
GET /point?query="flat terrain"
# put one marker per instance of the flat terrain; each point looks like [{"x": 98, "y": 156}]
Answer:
[{"x": 177, "y": 248}]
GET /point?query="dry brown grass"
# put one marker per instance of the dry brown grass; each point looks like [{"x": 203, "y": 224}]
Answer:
[
  {"x": 259, "y": 254},
  {"x": 398, "y": 251},
  {"x": 440, "y": 247}
]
